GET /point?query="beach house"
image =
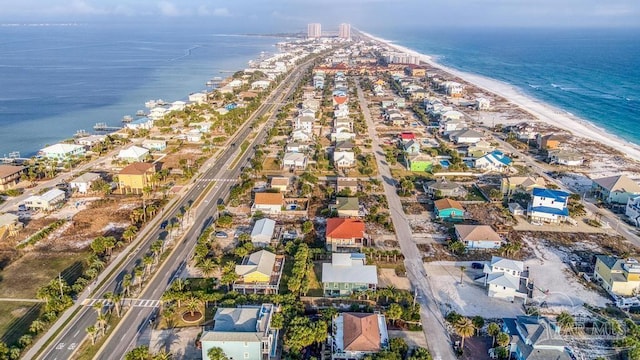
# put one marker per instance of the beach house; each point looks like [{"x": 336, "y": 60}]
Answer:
[
  {"x": 478, "y": 237},
  {"x": 493, "y": 161},
  {"x": 135, "y": 177},
  {"x": 411, "y": 147},
  {"x": 617, "y": 276},
  {"x": 548, "y": 142},
  {"x": 268, "y": 203},
  {"x": 524, "y": 184},
  {"x": 62, "y": 151},
  {"x": 344, "y": 183},
  {"x": 348, "y": 273},
  {"x": 357, "y": 335},
  {"x": 505, "y": 279},
  {"x": 465, "y": 136},
  {"x": 242, "y": 333},
  {"x": 262, "y": 232},
  {"x": 346, "y": 207},
  {"x": 82, "y": 183},
  {"x": 345, "y": 235},
  {"x": 10, "y": 176},
  {"x": 154, "y": 144},
  {"x": 47, "y": 201},
  {"x": 344, "y": 159},
  {"x": 615, "y": 189},
  {"x": 280, "y": 183},
  {"x": 448, "y": 210},
  {"x": 146, "y": 123},
  {"x": 9, "y": 225},
  {"x": 548, "y": 205},
  {"x": 534, "y": 338},
  {"x": 133, "y": 154},
  {"x": 632, "y": 210},
  {"x": 259, "y": 272},
  {"x": 565, "y": 157},
  {"x": 442, "y": 188},
  {"x": 294, "y": 161}
]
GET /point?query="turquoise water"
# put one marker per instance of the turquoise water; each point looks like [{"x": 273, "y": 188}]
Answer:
[
  {"x": 591, "y": 73},
  {"x": 57, "y": 80}
]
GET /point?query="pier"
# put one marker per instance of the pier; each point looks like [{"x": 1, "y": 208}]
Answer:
[
  {"x": 13, "y": 158},
  {"x": 105, "y": 127}
]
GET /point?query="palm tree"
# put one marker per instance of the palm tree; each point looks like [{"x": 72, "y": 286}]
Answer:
[
  {"x": 565, "y": 320},
  {"x": 147, "y": 261},
  {"x": 101, "y": 323},
  {"x": 207, "y": 267},
  {"x": 37, "y": 326},
  {"x": 163, "y": 355},
  {"x": 126, "y": 284},
  {"x": 478, "y": 323},
  {"x": 216, "y": 353},
  {"x": 192, "y": 304},
  {"x": 503, "y": 339},
  {"x": 464, "y": 328},
  {"x": 97, "y": 306},
  {"x": 493, "y": 329},
  {"x": 92, "y": 331}
]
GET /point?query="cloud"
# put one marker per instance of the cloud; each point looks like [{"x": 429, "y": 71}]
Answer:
[{"x": 169, "y": 9}]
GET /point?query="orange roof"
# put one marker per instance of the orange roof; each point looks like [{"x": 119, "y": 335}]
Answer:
[
  {"x": 269, "y": 198},
  {"x": 447, "y": 204},
  {"x": 344, "y": 228},
  {"x": 361, "y": 332},
  {"x": 340, "y": 99},
  {"x": 137, "y": 168}
]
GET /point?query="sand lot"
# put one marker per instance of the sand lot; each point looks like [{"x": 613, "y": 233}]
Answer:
[{"x": 547, "y": 271}]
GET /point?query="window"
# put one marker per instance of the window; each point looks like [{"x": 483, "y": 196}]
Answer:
[
  {"x": 246, "y": 344},
  {"x": 246, "y": 355}
]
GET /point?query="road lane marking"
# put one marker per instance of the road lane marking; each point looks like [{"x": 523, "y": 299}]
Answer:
[{"x": 76, "y": 334}]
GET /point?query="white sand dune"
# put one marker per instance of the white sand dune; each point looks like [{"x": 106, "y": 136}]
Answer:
[{"x": 542, "y": 111}]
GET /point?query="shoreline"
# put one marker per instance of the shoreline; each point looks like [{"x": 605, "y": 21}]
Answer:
[{"x": 539, "y": 109}]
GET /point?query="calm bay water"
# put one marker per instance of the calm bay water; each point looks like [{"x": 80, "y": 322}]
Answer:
[
  {"x": 591, "y": 73},
  {"x": 55, "y": 80}
]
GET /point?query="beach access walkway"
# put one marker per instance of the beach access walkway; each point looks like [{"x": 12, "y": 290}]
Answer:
[{"x": 431, "y": 317}]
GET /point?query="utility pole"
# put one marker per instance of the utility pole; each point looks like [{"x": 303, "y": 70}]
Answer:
[{"x": 60, "y": 283}]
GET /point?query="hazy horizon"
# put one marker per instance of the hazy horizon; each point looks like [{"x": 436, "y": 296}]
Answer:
[{"x": 291, "y": 15}]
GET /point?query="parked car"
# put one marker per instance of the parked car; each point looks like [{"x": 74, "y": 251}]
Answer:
[
  {"x": 221, "y": 235},
  {"x": 477, "y": 265}
]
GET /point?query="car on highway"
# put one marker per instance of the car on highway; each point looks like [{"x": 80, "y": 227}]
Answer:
[{"x": 221, "y": 235}]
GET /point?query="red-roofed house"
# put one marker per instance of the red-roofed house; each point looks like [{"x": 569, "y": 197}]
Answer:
[
  {"x": 340, "y": 99},
  {"x": 407, "y": 136},
  {"x": 358, "y": 334},
  {"x": 345, "y": 235}
]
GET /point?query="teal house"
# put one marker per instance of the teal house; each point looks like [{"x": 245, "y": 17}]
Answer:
[{"x": 448, "y": 210}]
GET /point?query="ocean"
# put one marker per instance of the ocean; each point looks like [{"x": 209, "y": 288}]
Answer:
[
  {"x": 591, "y": 73},
  {"x": 55, "y": 80}
]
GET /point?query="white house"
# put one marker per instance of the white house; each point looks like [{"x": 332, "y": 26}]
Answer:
[
  {"x": 305, "y": 123},
  {"x": 155, "y": 114},
  {"x": 451, "y": 115},
  {"x": 466, "y": 136},
  {"x": 295, "y": 161},
  {"x": 82, "y": 183},
  {"x": 478, "y": 236},
  {"x": 548, "y": 205},
  {"x": 301, "y": 135},
  {"x": 268, "y": 203},
  {"x": 90, "y": 140},
  {"x": 46, "y": 201},
  {"x": 633, "y": 210},
  {"x": 260, "y": 84},
  {"x": 62, "y": 151},
  {"x": 262, "y": 232},
  {"x": 177, "y": 105},
  {"x": 297, "y": 147},
  {"x": 193, "y": 135},
  {"x": 342, "y": 134},
  {"x": 494, "y": 161},
  {"x": 133, "y": 154},
  {"x": 155, "y": 145},
  {"x": 144, "y": 122},
  {"x": 198, "y": 98},
  {"x": 344, "y": 159},
  {"x": 483, "y": 103},
  {"x": 565, "y": 157},
  {"x": 505, "y": 278}
]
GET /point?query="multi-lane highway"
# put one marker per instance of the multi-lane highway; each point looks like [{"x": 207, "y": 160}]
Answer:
[{"x": 136, "y": 318}]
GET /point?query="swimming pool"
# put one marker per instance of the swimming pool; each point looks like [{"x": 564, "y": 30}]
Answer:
[{"x": 445, "y": 163}]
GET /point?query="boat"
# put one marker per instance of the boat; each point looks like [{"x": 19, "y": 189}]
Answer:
[
  {"x": 127, "y": 119},
  {"x": 140, "y": 113},
  {"x": 153, "y": 103}
]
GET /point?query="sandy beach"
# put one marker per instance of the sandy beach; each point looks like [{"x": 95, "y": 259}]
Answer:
[{"x": 540, "y": 110}]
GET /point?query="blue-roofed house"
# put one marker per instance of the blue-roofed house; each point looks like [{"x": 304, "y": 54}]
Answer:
[
  {"x": 535, "y": 338},
  {"x": 495, "y": 161},
  {"x": 548, "y": 205},
  {"x": 141, "y": 123}
]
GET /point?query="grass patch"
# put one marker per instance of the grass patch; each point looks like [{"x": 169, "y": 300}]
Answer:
[
  {"x": 315, "y": 288},
  {"x": 22, "y": 278},
  {"x": 15, "y": 319},
  {"x": 41, "y": 234},
  {"x": 270, "y": 164}
]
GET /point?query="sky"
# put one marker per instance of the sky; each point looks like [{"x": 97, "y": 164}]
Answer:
[{"x": 292, "y": 15}]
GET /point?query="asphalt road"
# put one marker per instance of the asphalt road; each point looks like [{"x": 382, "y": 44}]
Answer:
[
  {"x": 136, "y": 318},
  {"x": 430, "y": 315}
]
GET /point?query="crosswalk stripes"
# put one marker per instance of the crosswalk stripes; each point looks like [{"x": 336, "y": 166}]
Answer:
[
  {"x": 130, "y": 302},
  {"x": 217, "y": 180}
]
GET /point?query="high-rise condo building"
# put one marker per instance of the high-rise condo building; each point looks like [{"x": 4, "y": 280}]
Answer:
[
  {"x": 345, "y": 31},
  {"x": 314, "y": 31}
]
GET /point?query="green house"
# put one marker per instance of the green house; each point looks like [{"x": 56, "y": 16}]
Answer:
[{"x": 448, "y": 210}]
